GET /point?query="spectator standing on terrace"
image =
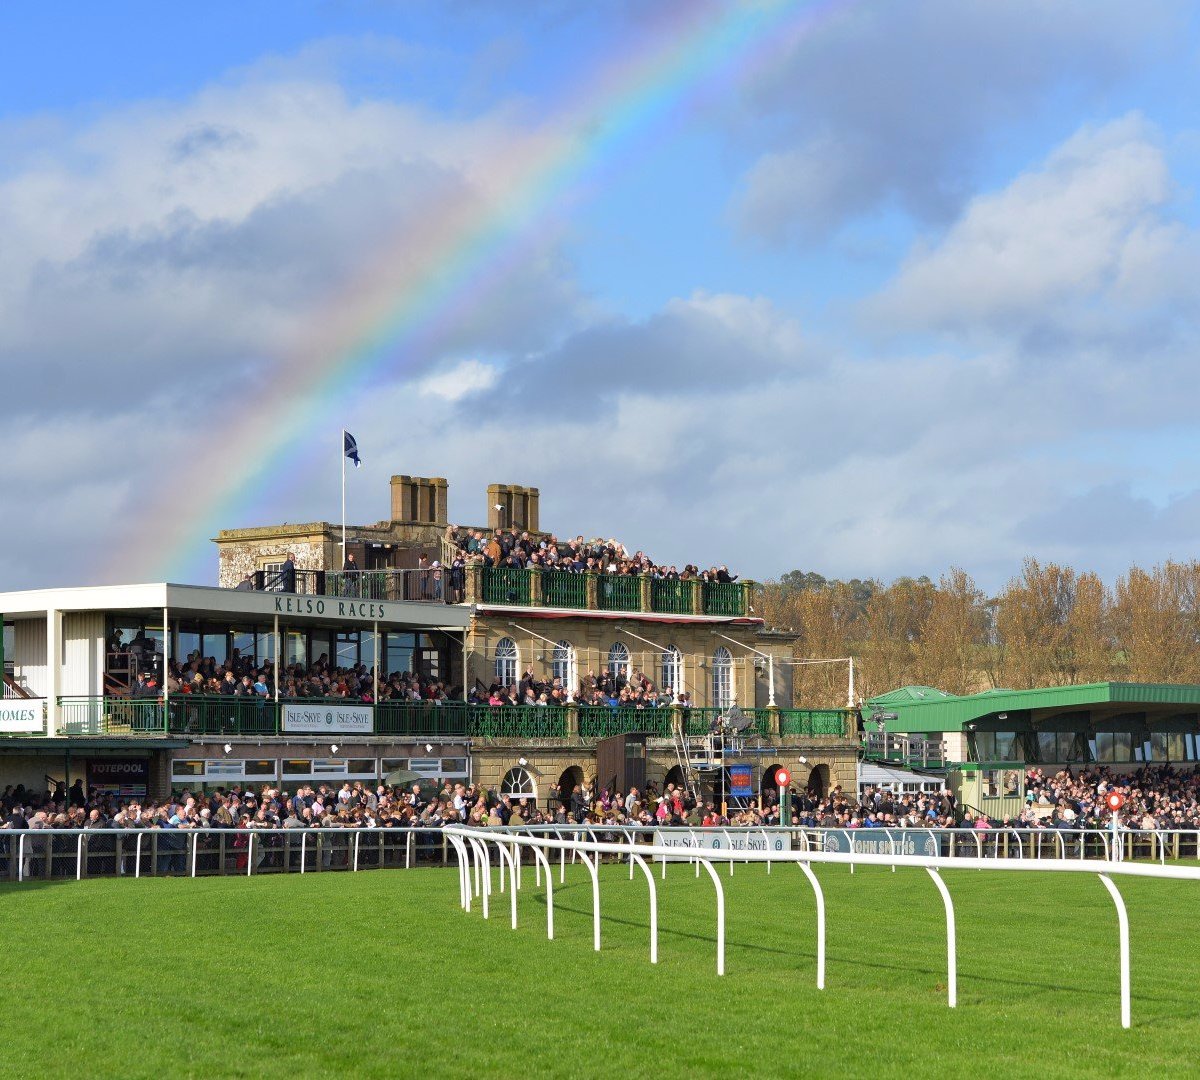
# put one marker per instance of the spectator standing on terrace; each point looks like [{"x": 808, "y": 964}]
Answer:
[
  {"x": 350, "y": 569},
  {"x": 287, "y": 574}
]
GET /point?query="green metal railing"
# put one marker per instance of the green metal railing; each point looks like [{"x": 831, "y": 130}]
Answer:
[
  {"x": 192, "y": 714},
  {"x": 502, "y": 585},
  {"x": 516, "y": 722},
  {"x": 112, "y": 716},
  {"x": 722, "y": 598},
  {"x": 699, "y": 721},
  {"x": 671, "y": 597},
  {"x": 618, "y": 592},
  {"x": 813, "y": 721},
  {"x": 563, "y": 589},
  {"x": 448, "y": 720},
  {"x": 602, "y": 722}
]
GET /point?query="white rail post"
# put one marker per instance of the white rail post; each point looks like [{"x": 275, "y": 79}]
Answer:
[
  {"x": 195, "y": 839},
  {"x": 1123, "y": 927},
  {"x": 79, "y": 857},
  {"x": 819, "y": 895},
  {"x": 539, "y": 859},
  {"x": 720, "y": 914},
  {"x": 137, "y": 858},
  {"x": 587, "y": 861},
  {"x": 653, "y": 908},
  {"x": 506, "y": 856},
  {"x": 951, "y": 939},
  {"x": 250, "y": 855},
  {"x": 21, "y": 856},
  {"x": 408, "y": 847},
  {"x": 357, "y": 838}
]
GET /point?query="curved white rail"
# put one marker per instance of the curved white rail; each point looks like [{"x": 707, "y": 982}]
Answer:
[{"x": 589, "y": 851}]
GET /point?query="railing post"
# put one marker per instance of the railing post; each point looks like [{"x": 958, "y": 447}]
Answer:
[
  {"x": 592, "y": 584},
  {"x": 697, "y": 587},
  {"x": 474, "y": 583},
  {"x": 535, "y": 586},
  {"x": 645, "y": 593}
]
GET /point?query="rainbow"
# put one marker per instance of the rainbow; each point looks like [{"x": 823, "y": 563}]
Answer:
[{"x": 425, "y": 278}]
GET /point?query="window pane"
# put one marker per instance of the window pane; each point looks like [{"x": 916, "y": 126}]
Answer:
[{"x": 261, "y": 767}]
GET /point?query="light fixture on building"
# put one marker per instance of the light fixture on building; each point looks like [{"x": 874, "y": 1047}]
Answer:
[
  {"x": 522, "y": 762},
  {"x": 227, "y": 748},
  {"x": 333, "y": 748},
  {"x": 429, "y": 748},
  {"x": 804, "y": 761}
]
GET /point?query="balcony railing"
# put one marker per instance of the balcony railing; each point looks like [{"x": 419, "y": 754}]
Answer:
[
  {"x": 192, "y": 715},
  {"x": 519, "y": 588}
]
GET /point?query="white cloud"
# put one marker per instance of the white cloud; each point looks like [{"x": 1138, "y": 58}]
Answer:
[
  {"x": 893, "y": 105},
  {"x": 465, "y": 377},
  {"x": 1085, "y": 236}
]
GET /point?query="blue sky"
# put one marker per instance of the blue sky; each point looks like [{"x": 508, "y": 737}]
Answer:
[{"x": 921, "y": 292}]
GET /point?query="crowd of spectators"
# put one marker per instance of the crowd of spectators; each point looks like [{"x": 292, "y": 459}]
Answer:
[
  {"x": 519, "y": 551},
  {"x": 609, "y": 689},
  {"x": 1156, "y": 797}
]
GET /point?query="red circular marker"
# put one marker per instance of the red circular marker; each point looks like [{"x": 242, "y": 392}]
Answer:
[
  {"x": 1115, "y": 800},
  {"x": 782, "y": 777}
]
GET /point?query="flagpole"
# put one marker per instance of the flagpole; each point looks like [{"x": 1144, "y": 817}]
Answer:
[{"x": 343, "y": 498}]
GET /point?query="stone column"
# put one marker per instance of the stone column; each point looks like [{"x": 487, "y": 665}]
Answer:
[
  {"x": 593, "y": 590},
  {"x": 646, "y": 596},
  {"x": 535, "y": 586},
  {"x": 697, "y": 596},
  {"x": 474, "y": 583}
]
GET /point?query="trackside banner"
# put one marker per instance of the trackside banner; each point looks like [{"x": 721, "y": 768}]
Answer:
[
  {"x": 720, "y": 840},
  {"x": 881, "y": 842},
  {"x": 328, "y": 719}
]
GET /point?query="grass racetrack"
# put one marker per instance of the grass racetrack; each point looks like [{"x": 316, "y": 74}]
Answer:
[{"x": 381, "y": 974}]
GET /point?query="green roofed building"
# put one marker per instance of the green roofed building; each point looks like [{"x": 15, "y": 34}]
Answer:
[{"x": 1116, "y": 724}]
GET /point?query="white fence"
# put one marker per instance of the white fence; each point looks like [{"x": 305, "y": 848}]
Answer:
[{"x": 473, "y": 848}]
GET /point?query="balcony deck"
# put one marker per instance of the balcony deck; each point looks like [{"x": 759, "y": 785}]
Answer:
[{"x": 535, "y": 588}]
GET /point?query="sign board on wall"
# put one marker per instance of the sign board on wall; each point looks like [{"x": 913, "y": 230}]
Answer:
[
  {"x": 741, "y": 785},
  {"x": 882, "y": 841},
  {"x": 22, "y": 716},
  {"x": 319, "y": 718},
  {"x": 126, "y": 778}
]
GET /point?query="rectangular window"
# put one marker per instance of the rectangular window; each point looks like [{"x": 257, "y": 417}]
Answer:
[
  {"x": 428, "y": 766},
  {"x": 1114, "y": 746},
  {"x": 223, "y": 769},
  {"x": 187, "y": 768},
  {"x": 297, "y": 767},
  {"x": 264, "y": 768},
  {"x": 454, "y": 766},
  {"x": 392, "y": 764},
  {"x": 361, "y": 766},
  {"x": 329, "y": 767}
]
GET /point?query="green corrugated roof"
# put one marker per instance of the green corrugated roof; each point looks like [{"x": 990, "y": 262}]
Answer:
[{"x": 923, "y": 709}]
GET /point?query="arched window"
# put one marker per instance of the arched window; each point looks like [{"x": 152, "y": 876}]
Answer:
[
  {"x": 563, "y": 665},
  {"x": 618, "y": 662},
  {"x": 722, "y": 678},
  {"x": 672, "y": 670},
  {"x": 519, "y": 784},
  {"x": 506, "y": 662}
]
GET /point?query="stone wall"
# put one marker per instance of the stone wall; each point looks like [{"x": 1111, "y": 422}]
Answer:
[
  {"x": 236, "y": 559},
  {"x": 592, "y": 639}
]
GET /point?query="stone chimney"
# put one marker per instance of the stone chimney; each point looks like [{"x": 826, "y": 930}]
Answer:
[
  {"x": 420, "y": 500},
  {"x": 518, "y": 507}
]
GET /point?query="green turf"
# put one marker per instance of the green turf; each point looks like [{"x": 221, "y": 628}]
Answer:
[{"x": 381, "y": 974}]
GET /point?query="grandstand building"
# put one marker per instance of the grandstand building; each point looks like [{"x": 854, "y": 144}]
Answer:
[{"x": 89, "y": 691}]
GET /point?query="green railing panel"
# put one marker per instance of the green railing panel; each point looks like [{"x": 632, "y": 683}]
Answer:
[
  {"x": 517, "y": 721},
  {"x": 421, "y": 718},
  {"x": 502, "y": 585},
  {"x": 812, "y": 721},
  {"x": 192, "y": 714},
  {"x": 111, "y": 716},
  {"x": 762, "y": 722},
  {"x": 699, "y": 721},
  {"x": 563, "y": 589},
  {"x": 602, "y": 722},
  {"x": 619, "y": 592},
  {"x": 671, "y": 597},
  {"x": 722, "y": 598}
]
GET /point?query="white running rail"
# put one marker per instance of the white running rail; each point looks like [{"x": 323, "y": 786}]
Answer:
[{"x": 473, "y": 849}]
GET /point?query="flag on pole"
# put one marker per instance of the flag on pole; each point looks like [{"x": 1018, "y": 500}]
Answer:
[{"x": 351, "y": 448}]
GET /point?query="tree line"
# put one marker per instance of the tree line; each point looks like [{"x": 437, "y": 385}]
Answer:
[{"x": 1050, "y": 626}]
